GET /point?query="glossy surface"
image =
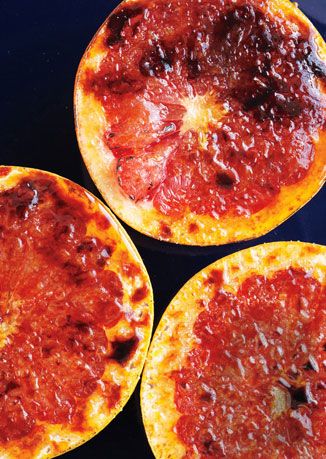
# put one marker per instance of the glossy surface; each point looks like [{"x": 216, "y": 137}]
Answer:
[
  {"x": 255, "y": 383},
  {"x": 40, "y": 50},
  {"x": 57, "y": 294},
  {"x": 216, "y": 112}
]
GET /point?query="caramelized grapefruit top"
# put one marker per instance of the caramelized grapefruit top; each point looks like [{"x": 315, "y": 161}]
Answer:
[
  {"x": 236, "y": 368},
  {"x": 203, "y": 122},
  {"x": 75, "y": 315}
]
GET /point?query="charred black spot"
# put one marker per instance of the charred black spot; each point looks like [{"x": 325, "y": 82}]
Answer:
[
  {"x": 123, "y": 350},
  {"x": 194, "y": 68},
  {"x": 156, "y": 61},
  {"x": 123, "y": 85},
  {"x": 21, "y": 211},
  {"x": 117, "y": 83},
  {"x": 82, "y": 326},
  {"x": 192, "y": 61},
  {"x": 298, "y": 396},
  {"x": 46, "y": 350},
  {"x": 206, "y": 397},
  {"x": 308, "y": 367},
  {"x": 246, "y": 35},
  {"x": 257, "y": 98},
  {"x": 225, "y": 135},
  {"x": 135, "y": 28},
  {"x": 225, "y": 179},
  {"x": 207, "y": 444},
  {"x": 86, "y": 246},
  {"x": 240, "y": 15},
  {"x": 249, "y": 24},
  {"x": 234, "y": 19},
  {"x": 117, "y": 22},
  {"x": 263, "y": 39},
  {"x": 268, "y": 99},
  {"x": 11, "y": 385},
  {"x": 256, "y": 95},
  {"x": 211, "y": 448}
]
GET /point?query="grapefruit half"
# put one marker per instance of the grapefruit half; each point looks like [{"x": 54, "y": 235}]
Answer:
[
  {"x": 75, "y": 315},
  {"x": 203, "y": 122},
  {"x": 236, "y": 367}
]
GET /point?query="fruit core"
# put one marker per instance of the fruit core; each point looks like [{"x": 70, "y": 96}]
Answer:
[{"x": 201, "y": 112}]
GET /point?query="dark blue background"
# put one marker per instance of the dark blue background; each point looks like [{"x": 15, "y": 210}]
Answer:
[{"x": 42, "y": 42}]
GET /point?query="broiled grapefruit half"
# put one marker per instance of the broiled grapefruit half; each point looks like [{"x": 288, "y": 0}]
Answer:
[
  {"x": 203, "y": 122},
  {"x": 75, "y": 315},
  {"x": 237, "y": 364}
]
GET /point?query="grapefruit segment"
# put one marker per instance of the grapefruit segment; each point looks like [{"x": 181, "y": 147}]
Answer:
[
  {"x": 151, "y": 166},
  {"x": 241, "y": 89}
]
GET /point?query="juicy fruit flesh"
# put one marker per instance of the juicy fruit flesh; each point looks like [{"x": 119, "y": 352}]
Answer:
[
  {"x": 56, "y": 297},
  {"x": 255, "y": 384},
  {"x": 210, "y": 106}
]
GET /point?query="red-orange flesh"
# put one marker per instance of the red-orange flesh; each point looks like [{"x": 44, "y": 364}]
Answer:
[
  {"x": 256, "y": 383},
  {"x": 65, "y": 313}
]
